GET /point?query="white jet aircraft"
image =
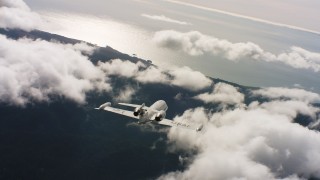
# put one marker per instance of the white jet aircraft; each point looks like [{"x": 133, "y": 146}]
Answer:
[{"x": 156, "y": 114}]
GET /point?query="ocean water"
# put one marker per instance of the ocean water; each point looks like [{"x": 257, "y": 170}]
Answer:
[{"x": 132, "y": 33}]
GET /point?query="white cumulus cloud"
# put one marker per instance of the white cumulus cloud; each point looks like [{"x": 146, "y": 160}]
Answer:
[
  {"x": 178, "y": 76},
  {"x": 290, "y": 108},
  {"x": 125, "y": 94},
  {"x": 188, "y": 78},
  {"x": 164, "y": 18},
  {"x": 120, "y": 68},
  {"x": 259, "y": 142},
  {"x": 290, "y": 93},
  {"x": 16, "y": 14},
  {"x": 152, "y": 75},
  {"x": 35, "y": 70},
  {"x": 222, "y": 93},
  {"x": 196, "y": 43}
]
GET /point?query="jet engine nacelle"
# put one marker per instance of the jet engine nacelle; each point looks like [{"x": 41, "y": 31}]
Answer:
[
  {"x": 138, "y": 110},
  {"x": 160, "y": 115}
]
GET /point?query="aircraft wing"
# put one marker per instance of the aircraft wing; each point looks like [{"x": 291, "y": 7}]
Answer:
[
  {"x": 120, "y": 111},
  {"x": 185, "y": 125},
  {"x": 132, "y": 105}
]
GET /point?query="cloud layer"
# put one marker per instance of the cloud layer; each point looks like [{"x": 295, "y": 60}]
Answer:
[
  {"x": 178, "y": 76},
  {"x": 16, "y": 14},
  {"x": 258, "y": 141},
  {"x": 194, "y": 43},
  {"x": 164, "y": 18},
  {"x": 35, "y": 70}
]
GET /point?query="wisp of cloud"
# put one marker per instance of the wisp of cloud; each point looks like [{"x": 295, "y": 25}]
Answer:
[{"x": 165, "y": 19}]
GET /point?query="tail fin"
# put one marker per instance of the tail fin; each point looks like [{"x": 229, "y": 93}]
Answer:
[
  {"x": 199, "y": 128},
  {"x": 104, "y": 105}
]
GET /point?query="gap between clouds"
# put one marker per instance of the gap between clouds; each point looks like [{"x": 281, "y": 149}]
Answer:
[{"x": 195, "y": 43}]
